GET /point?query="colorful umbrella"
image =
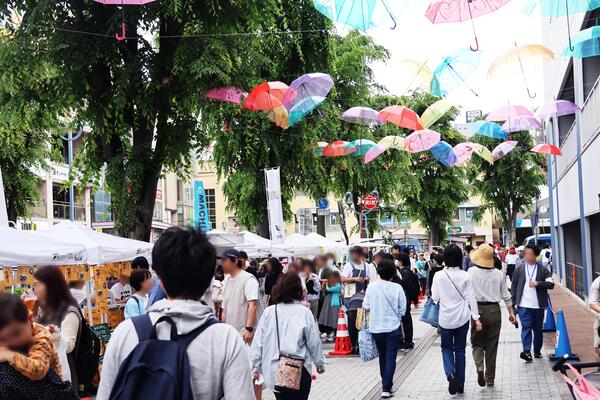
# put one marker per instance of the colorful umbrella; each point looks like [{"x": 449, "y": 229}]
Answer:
[
  {"x": 361, "y": 115},
  {"x": 123, "y": 3},
  {"x": 228, "y": 94},
  {"x": 558, "y": 108},
  {"x": 522, "y": 58},
  {"x": 394, "y": 142},
  {"x": 489, "y": 129},
  {"x": 483, "y": 152},
  {"x": 463, "y": 152},
  {"x": 421, "y": 141},
  {"x": 305, "y": 94},
  {"x": 418, "y": 73},
  {"x": 401, "y": 116},
  {"x": 317, "y": 148},
  {"x": 444, "y": 11},
  {"x": 280, "y": 116},
  {"x": 303, "y": 107},
  {"x": 521, "y": 124},
  {"x": 546, "y": 148},
  {"x": 375, "y": 152},
  {"x": 338, "y": 148},
  {"x": 360, "y": 14},
  {"x": 266, "y": 96},
  {"x": 503, "y": 149},
  {"x": 361, "y": 146},
  {"x": 586, "y": 43},
  {"x": 453, "y": 70},
  {"x": 435, "y": 111},
  {"x": 508, "y": 112},
  {"x": 443, "y": 153}
]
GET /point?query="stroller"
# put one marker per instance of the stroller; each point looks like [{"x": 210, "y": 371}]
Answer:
[{"x": 583, "y": 387}]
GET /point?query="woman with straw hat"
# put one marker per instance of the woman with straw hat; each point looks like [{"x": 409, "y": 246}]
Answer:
[{"x": 489, "y": 287}]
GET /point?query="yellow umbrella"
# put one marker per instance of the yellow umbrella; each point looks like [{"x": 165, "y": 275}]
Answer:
[
  {"x": 522, "y": 58},
  {"x": 280, "y": 116},
  {"x": 434, "y": 112},
  {"x": 393, "y": 142},
  {"x": 416, "y": 73},
  {"x": 483, "y": 152}
]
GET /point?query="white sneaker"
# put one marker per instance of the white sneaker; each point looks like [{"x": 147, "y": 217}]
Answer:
[{"x": 386, "y": 395}]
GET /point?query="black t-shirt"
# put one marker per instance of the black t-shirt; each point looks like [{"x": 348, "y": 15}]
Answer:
[{"x": 270, "y": 281}]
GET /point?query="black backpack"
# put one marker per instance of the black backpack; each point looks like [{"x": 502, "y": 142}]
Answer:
[
  {"x": 156, "y": 369},
  {"x": 87, "y": 352}
]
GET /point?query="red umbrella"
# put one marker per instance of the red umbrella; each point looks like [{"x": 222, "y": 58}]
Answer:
[
  {"x": 546, "y": 148},
  {"x": 228, "y": 94},
  {"x": 401, "y": 116},
  {"x": 266, "y": 96},
  {"x": 338, "y": 148}
]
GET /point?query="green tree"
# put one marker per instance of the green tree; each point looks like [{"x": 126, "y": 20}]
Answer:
[{"x": 510, "y": 184}]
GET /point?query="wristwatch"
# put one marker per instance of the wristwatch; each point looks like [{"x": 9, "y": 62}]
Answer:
[{"x": 249, "y": 329}]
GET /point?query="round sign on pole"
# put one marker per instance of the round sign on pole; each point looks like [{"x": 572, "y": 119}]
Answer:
[
  {"x": 370, "y": 201},
  {"x": 322, "y": 204}
]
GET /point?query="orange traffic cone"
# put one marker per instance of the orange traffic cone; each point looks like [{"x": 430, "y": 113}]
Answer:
[{"x": 343, "y": 347}]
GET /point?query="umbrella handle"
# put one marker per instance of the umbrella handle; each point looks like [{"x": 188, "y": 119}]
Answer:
[
  {"x": 569, "y": 26},
  {"x": 391, "y": 15},
  {"x": 531, "y": 96},
  {"x": 122, "y": 36},
  {"x": 476, "y": 48}
]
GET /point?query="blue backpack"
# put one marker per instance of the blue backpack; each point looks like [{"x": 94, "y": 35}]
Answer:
[{"x": 156, "y": 369}]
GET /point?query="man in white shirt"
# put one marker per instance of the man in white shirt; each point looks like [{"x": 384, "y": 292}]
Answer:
[
  {"x": 121, "y": 291},
  {"x": 355, "y": 277}
]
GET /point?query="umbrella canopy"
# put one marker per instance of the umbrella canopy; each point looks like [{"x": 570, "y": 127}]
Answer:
[
  {"x": 418, "y": 74},
  {"x": 303, "y": 107},
  {"x": 586, "y": 43},
  {"x": 375, "y": 152},
  {"x": 508, "y": 112},
  {"x": 435, "y": 111},
  {"x": 228, "y": 94},
  {"x": 463, "y": 152},
  {"x": 361, "y": 115},
  {"x": 546, "y": 148},
  {"x": 487, "y": 128},
  {"x": 558, "y": 108},
  {"x": 338, "y": 148},
  {"x": 557, "y": 8},
  {"x": 280, "y": 116},
  {"x": 443, "y": 153},
  {"x": 305, "y": 94},
  {"x": 361, "y": 14},
  {"x": 421, "y": 141},
  {"x": 453, "y": 71},
  {"x": 401, "y": 116},
  {"x": 503, "y": 149},
  {"x": 266, "y": 96},
  {"x": 361, "y": 146},
  {"x": 392, "y": 141},
  {"x": 521, "y": 124},
  {"x": 483, "y": 152},
  {"x": 317, "y": 148}
]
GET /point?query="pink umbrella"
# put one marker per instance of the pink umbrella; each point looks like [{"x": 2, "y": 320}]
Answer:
[
  {"x": 375, "y": 152},
  {"x": 503, "y": 149},
  {"x": 508, "y": 112},
  {"x": 421, "y": 140},
  {"x": 463, "y": 152},
  {"x": 521, "y": 124},
  {"x": 228, "y": 94},
  {"x": 123, "y": 3},
  {"x": 338, "y": 148},
  {"x": 546, "y": 148}
]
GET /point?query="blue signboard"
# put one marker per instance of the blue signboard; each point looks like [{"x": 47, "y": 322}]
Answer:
[{"x": 201, "y": 217}]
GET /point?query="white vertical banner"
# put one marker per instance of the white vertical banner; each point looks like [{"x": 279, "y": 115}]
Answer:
[
  {"x": 274, "y": 210},
  {"x": 3, "y": 211}
]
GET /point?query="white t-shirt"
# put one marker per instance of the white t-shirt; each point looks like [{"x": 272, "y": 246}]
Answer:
[
  {"x": 529, "y": 298},
  {"x": 347, "y": 269},
  {"x": 545, "y": 259},
  {"x": 120, "y": 292},
  {"x": 78, "y": 294},
  {"x": 511, "y": 259},
  {"x": 236, "y": 295}
]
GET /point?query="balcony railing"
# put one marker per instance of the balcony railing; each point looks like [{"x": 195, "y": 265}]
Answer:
[{"x": 61, "y": 211}]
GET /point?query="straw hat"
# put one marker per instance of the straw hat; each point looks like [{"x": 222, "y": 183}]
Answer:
[{"x": 483, "y": 256}]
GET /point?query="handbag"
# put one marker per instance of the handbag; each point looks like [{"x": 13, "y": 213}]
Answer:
[
  {"x": 289, "y": 370},
  {"x": 362, "y": 319},
  {"x": 581, "y": 386},
  {"x": 366, "y": 345},
  {"x": 431, "y": 313}
]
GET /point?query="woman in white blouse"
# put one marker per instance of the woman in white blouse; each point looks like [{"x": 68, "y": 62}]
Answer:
[{"x": 453, "y": 290}]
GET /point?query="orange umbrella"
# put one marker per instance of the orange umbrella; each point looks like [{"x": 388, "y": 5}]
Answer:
[
  {"x": 546, "y": 148},
  {"x": 402, "y": 117},
  {"x": 338, "y": 148},
  {"x": 266, "y": 96}
]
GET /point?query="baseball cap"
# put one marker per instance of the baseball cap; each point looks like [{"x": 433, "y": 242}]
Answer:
[{"x": 231, "y": 253}]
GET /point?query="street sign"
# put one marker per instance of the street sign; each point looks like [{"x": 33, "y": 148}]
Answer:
[
  {"x": 370, "y": 201},
  {"x": 323, "y": 211},
  {"x": 454, "y": 229},
  {"x": 322, "y": 203}
]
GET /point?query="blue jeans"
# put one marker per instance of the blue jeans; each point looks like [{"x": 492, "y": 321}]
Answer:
[
  {"x": 532, "y": 320},
  {"x": 387, "y": 346},
  {"x": 454, "y": 342}
]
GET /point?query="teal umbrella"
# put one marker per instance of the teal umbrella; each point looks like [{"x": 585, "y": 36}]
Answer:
[
  {"x": 453, "y": 71},
  {"x": 487, "y": 128},
  {"x": 585, "y": 44},
  {"x": 361, "y": 14},
  {"x": 362, "y": 146}
]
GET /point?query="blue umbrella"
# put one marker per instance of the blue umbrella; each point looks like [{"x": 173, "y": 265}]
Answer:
[
  {"x": 443, "y": 153},
  {"x": 361, "y": 14},
  {"x": 453, "y": 70},
  {"x": 487, "y": 128},
  {"x": 585, "y": 44},
  {"x": 302, "y": 108}
]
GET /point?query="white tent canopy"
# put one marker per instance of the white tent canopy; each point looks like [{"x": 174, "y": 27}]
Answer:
[
  {"x": 24, "y": 248},
  {"x": 101, "y": 248},
  {"x": 310, "y": 245}
]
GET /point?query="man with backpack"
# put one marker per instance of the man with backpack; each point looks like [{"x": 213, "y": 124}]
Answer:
[
  {"x": 410, "y": 284},
  {"x": 184, "y": 353}
]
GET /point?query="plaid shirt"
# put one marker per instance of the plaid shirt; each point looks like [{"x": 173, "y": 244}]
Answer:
[{"x": 40, "y": 358}]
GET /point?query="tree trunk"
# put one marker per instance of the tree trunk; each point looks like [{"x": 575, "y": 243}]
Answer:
[
  {"x": 11, "y": 211},
  {"x": 434, "y": 236},
  {"x": 145, "y": 211},
  {"x": 262, "y": 229}
]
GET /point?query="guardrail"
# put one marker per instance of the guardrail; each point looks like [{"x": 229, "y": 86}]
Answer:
[{"x": 574, "y": 278}]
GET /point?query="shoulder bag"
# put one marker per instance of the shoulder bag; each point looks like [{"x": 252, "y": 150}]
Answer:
[{"x": 289, "y": 370}]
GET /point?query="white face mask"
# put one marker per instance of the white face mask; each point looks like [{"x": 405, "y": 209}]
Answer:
[{"x": 397, "y": 263}]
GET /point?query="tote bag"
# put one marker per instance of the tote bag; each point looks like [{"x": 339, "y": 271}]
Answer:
[
  {"x": 581, "y": 387},
  {"x": 431, "y": 313},
  {"x": 366, "y": 345}
]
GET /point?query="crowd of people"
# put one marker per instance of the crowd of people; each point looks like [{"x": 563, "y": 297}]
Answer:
[{"x": 239, "y": 327}]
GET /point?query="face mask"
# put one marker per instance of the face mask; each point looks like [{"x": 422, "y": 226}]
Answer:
[{"x": 396, "y": 263}]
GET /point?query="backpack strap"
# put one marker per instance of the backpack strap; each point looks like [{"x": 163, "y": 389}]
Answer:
[
  {"x": 186, "y": 339},
  {"x": 143, "y": 326}
]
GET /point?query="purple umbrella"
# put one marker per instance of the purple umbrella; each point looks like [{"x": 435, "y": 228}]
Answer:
[
  {"x": 308, "y": 85},
  {"x": 227, "y": 94},
  {"x": 508, "y": 112},
  {"x": 521, "y": 124},
  {"x": 503, "y": 149},
  {"x": 361, "y": 115},
  {"x": 558, "y": 108}
]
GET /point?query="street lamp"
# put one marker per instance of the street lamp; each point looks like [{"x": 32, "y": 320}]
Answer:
[{"x": 70, "y": 139}]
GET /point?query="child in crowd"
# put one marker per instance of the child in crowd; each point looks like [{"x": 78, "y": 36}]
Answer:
[
  {"x": 27, "y": 349},
  {"x": 141, "y": 281},
  {"x": 328, "y": 318}
]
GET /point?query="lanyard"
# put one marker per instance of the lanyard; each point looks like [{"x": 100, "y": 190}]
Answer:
[{"x": 532, "y": 272}]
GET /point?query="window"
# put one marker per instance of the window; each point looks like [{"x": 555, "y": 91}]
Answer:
[
  {"x": 469, "y": 214},
  {"x": 101, "y": 206},
  {"x": 456, "y": 215},
  {"x": 212, "y": 210}
]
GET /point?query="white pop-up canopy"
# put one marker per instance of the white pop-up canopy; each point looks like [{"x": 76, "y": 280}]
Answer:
[
  {"x": 101, "y": 248},
  {"x": 24, "y": 248},
  {"x": 309, "y": 245}
]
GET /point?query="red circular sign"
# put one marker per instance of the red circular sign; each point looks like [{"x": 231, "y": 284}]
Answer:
[{"x": 370, "y": 201}]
